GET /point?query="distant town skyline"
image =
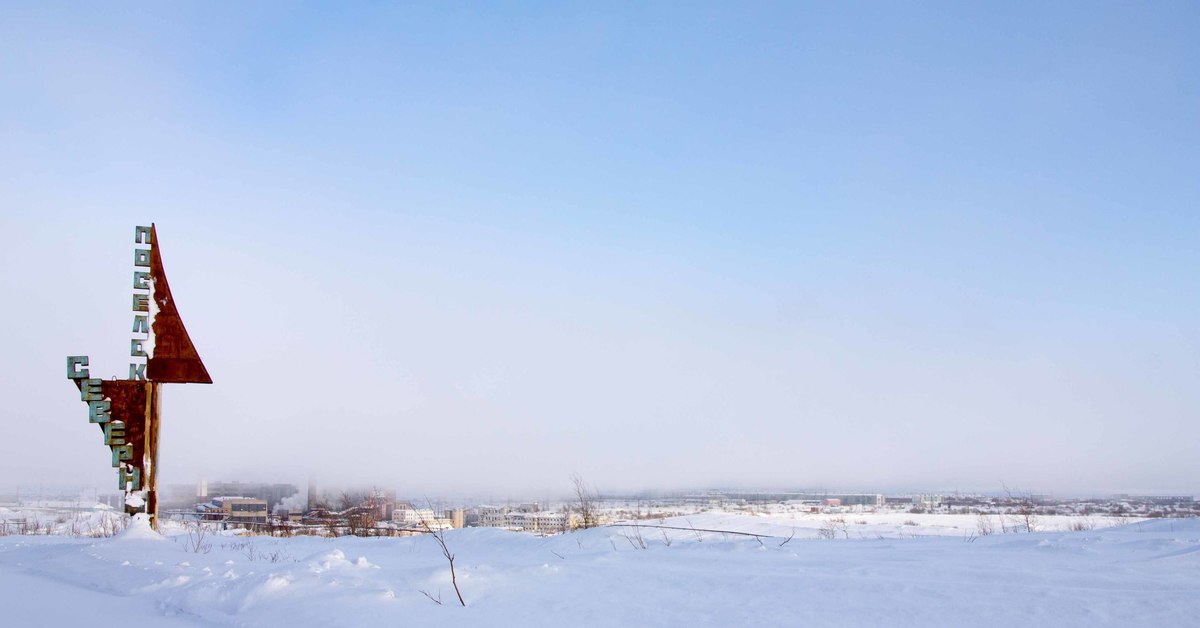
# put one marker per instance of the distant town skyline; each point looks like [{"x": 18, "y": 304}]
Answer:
[{"x": 479, "y": 249}]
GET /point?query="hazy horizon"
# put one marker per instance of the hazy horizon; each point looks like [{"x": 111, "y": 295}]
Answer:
[
  {"x": 480, "y": 249},
  {"x": 566, "y": 494}
]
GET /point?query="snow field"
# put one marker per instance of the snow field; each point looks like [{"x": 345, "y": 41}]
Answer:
[{"x": 1142, "y": 574}]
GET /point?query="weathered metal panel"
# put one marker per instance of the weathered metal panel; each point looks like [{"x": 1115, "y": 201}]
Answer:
[
  {"x": 127, "y": 404},
  {"x": 175, "y": 359}
]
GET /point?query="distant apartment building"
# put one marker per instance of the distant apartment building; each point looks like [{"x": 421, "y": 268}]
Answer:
[
  {"x": 927, "y": 502},
  {"x": 458, "y": 518},
  {"x": 858, "y": 499},
  {"x": 492, "y": 516},
  {"x": 412, "y": 516},
  {"x": 419, "y": 518},
  {"x": 543, "y": 522},
  {"x": 234, "y": 510},
  {"x": 273, "y": 494},
  {"x": 526, "y": 520}
]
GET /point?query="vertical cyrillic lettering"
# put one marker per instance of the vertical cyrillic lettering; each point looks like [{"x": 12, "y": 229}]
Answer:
[
  {"x": 114, "y": 433},
  {"x": 131, "y": 476},
  {"x": 98, "y": 411},
  {"x": 121, "y": 453},
  {"x": 90, "y": 390},
  {"x": 73, "y": 364}
]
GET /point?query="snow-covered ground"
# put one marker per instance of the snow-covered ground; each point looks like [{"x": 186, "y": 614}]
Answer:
[
  {"x": 61, "y": 518},
  {"x": 887, "y": 525},
  {"x": 929, "y": 574}
]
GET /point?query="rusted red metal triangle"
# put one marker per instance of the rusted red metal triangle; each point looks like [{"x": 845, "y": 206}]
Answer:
[{"x": 174, "y": 360}]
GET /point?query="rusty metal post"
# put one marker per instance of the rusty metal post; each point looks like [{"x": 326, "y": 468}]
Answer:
[{"x": 153, "y": 416}]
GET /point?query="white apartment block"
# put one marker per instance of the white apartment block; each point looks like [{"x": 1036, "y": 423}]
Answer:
[
  {"x": 419, "y": 518},
  {"x": 537, "y": 522}
]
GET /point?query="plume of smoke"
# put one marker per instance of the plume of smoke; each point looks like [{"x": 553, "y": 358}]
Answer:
[{"x": 294, "y": 503}]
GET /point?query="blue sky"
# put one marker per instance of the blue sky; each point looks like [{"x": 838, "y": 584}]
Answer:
[{"x": 938, "y": 245}]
